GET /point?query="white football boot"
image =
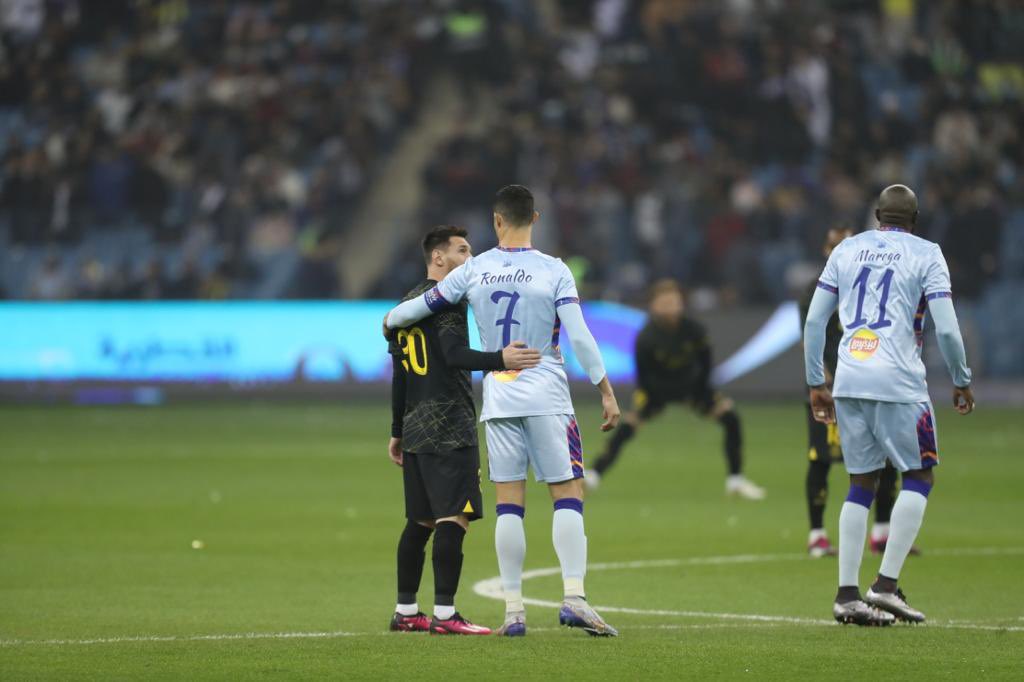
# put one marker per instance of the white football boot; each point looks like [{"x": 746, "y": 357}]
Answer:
[
  {"x": 894, "y": 603},
  {"x": 740, "y": 486},
  {"x": 858, "y": 612}
]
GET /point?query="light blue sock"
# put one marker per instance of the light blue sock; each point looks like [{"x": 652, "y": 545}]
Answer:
[
  {"x": 570, "y": 540},
  {"x": 853, "y": 531},
  {"x": 510, "y": 545},
  {"x": 907, "y": 515}
]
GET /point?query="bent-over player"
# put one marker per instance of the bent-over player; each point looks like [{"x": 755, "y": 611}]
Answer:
[{"x": 673, "y": 365}]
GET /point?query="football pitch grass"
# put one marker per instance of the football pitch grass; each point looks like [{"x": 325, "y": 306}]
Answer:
[{"x": 294, "y": 512}]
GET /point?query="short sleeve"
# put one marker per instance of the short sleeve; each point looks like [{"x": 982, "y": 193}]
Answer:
[
  {"x": 451, "y": 289},
  {"x": 936, "y": 276},
  {"x": 829, "y": 279},
  {"x": 565, "y": 287}
]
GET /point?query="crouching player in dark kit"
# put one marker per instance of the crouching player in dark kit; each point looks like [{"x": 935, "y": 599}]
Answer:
[{"x": 434, "y": 440}]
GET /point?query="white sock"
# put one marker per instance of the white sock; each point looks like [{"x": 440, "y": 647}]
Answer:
[
  {"x": 570, "y": 542},
  {"x": 408, "y": 609},
  {"x": 853, "y": 530},
  {"x": 907, "y": 514},
  {"x": 443, "y": 612},
  {"x": 879, "y": 531},
  {"x": 510, "y": 544},
  {"x": 816, "y": 534}
]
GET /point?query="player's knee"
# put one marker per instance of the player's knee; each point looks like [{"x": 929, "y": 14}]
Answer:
[
  {"x": 926, "y": 476},
  {"x": 424, "y": 526},
  {"x": 567, "y": 489},
  {"x": 729, "y": 419},
  {"x": 459, "y": 520},
  {"x": 868, "y": 481},
  {"x": 724, "y": 408}
]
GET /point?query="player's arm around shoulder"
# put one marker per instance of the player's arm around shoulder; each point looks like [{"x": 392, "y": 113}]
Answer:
[{"x": 450, "y": 290}]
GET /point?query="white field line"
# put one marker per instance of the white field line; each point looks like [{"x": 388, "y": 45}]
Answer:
[{"x": 491, "y": 588}]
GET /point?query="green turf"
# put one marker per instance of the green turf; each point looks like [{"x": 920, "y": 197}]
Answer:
[{"x": 299, "y": 512}]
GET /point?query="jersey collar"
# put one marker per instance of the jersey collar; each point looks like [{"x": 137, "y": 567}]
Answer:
[
  {"x": 891, "y": 228},
  {"x": 517, "y": 249}
]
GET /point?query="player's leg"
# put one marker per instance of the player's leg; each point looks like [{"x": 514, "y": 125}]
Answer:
[
  {"x": 507, "y": 463},
  {"x": 723, "y": 410},
  {"x": 643, "y": 409},
  {"x": 864, "y": 459},
  {"x": 816, "y": 482},
  {"x": 411, "y": 553},
  {"x": 453, "y": 484},
  {"x": 914, "y": 450},
  {"x": 556, "y": 452},
  {"x": 885, "y": 497}
]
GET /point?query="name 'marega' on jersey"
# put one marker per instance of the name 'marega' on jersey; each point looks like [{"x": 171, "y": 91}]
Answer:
[
  {"x": 515, "y": 295},
  {"x": 884, "y": 279},
  {"x": 440, "y": 415}
]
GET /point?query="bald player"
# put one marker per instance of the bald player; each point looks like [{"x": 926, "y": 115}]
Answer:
[{"x": 882, "y": 282}]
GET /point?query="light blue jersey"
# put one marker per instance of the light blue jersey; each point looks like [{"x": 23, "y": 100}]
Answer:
[
  {"x": 884, "y": 279},
  {"x": 516, "y": 295}
]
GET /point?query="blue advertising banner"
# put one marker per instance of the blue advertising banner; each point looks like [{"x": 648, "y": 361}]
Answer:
[{"x": 268, "y": 342}]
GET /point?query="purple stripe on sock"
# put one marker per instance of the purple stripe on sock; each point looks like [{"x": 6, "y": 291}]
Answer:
[
  {"x": 861, "y": 496},
  {"x": 569, "y": 503},
  {"x": 917, "y": 486},
  {"x": 511, "y": 509}
]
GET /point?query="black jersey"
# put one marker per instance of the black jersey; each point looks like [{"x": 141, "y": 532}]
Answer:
[
  {"x": 432, "y": 392},
  {"x": 673, "y": 362},
  {"x": 833, "y": 332}
]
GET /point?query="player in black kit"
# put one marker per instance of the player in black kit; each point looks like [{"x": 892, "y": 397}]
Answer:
[
  {"x": 673, "y": 364},
  {"x": 824, "y": 447},
  {"x": 434, "y": 440}
]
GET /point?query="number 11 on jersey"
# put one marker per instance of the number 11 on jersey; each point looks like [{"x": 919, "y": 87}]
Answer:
[{"x": 861, "y": 284}]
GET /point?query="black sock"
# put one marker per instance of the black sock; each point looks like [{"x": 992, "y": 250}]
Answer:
[
  {"x": 733, "y": 441},
  {"x": 447, "y": 562},
  {"x": 884, "y": 584},
  {"x": 885, "y": 498},
  {"x": 410, "y": 560},
  {"x": 847, "y": 594},
  {"x": 817, "y": 491},
  {"x": 619, "y": 438}
]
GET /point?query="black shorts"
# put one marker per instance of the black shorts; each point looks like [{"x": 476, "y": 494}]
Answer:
[
  {"x": 823, "y": 440},
  {"x": 443, "y": 484},
  {"x": 650, "y": 404}
]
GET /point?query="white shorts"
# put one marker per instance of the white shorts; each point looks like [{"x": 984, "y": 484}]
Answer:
[
  {"x": 872, "y": 431},
  {"x": 549, "y": 443}
]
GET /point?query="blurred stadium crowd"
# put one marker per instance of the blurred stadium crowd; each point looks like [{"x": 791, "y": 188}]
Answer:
[{"x": 180, "y": 149}]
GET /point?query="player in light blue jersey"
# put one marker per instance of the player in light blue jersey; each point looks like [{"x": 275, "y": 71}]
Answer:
[
  {"x": 882, "y": 282},
  {"x": 520, "y": 294}
]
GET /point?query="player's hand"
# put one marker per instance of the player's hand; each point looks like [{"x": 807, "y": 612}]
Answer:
[
  {"x": 395, "y": 450},
  {"x": 517, "y": 356},
  {"x": 822, "y": 406},
  {"x": 963, "y": 400},
  {"x": 610, "y": 407}
]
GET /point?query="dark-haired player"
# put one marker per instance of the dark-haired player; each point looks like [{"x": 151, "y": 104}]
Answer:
[
  {"x": 434, "y": 440},
  {"x": 825, "y": 448},
  {"x": 882, "y": 282},
  {"x": 673, "y": 365}
]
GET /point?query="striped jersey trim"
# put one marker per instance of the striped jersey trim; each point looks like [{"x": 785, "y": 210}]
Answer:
[
  {"x": 566, "y": 301},
  {"x": 828, "y": 287},
  {"x": 435, "y": 301},
  {"x": 939, "y": 294}
]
